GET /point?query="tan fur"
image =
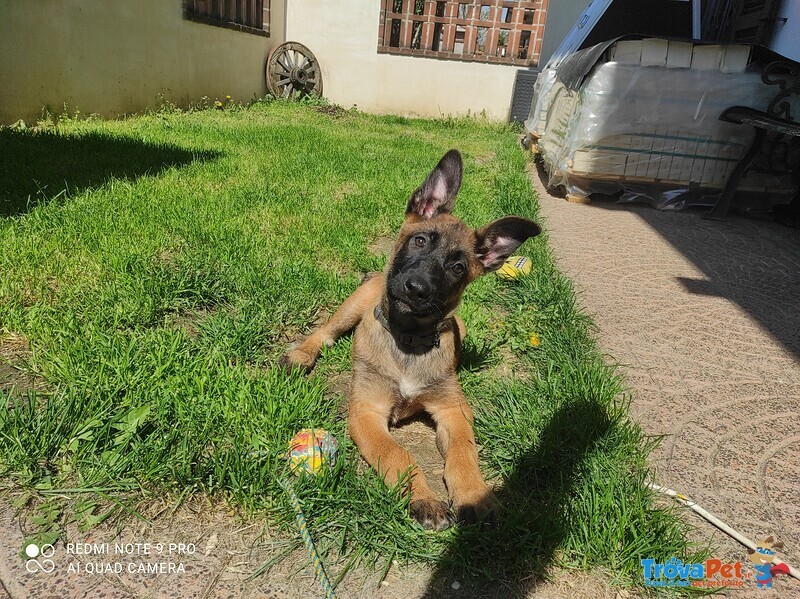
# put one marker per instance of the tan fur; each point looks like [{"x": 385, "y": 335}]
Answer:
[
  {"x": 399, "y": 373},
  {"x": 389, "y": 385}
]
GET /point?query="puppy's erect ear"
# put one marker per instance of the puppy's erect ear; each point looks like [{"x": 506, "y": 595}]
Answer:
[
  {"x": 437, "y": 195},
  {"x": 495, "y": 242}
]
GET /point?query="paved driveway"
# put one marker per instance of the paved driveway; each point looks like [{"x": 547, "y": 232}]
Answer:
[{"x": 704, "y": 318}]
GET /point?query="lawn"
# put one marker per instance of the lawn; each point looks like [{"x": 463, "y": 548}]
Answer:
[{"x": 154, "y": 269}]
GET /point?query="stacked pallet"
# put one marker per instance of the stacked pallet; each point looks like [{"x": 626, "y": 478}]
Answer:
[{"x": 647, "y": 118}]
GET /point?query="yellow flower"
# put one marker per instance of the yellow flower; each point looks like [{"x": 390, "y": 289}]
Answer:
[
  {"x": 227, "y": 97},
  {"x": 535, "y": 342}
]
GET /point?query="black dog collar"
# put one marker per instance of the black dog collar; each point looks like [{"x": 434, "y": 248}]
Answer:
[{"x": 407, "y": 338}]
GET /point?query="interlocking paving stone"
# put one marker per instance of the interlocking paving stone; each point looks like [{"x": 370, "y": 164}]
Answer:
[{"x": 704, "y": 319}]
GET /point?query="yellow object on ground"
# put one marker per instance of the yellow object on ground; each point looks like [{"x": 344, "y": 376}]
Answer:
[{"x": 514, "y": 266}]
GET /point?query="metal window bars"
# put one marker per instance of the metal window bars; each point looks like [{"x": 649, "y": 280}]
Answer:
[{"x": 494, "y": 31}]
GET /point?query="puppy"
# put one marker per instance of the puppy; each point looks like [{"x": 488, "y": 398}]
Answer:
[{"x": 407, "y": 342}]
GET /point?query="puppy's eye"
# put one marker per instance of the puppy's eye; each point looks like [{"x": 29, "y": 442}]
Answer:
[
  {"x": 458, "y": 268},
  {"x": 420, "y": 241}
]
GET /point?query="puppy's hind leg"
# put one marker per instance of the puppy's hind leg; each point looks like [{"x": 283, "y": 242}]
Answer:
[{"x": 344, "y": 319}]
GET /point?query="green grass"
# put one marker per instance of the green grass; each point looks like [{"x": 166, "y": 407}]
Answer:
[{"x": 159, "y": 265}]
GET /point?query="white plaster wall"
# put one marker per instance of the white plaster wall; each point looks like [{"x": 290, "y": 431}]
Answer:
[
  {"x": 111, "y": 57},
  {"x": 343, "y": 35}
]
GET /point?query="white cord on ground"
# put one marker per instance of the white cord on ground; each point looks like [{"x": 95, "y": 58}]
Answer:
[{"x": 718, "y": 523}]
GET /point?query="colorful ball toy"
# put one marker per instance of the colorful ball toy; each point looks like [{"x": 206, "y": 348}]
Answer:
[{"x": 310, "y": 449}]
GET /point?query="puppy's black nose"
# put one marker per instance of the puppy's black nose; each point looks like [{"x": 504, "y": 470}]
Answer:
[{"x": 417, "y": 289}]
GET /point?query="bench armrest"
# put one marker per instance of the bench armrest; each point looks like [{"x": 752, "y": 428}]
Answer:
[{"x": 744, "y": 115}]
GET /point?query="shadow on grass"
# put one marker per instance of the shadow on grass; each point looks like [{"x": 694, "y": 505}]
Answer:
[
  {"x": 512, "y": 559},
  {"x": 473, "y": 357},
  {"x": 42, "y": 166}
]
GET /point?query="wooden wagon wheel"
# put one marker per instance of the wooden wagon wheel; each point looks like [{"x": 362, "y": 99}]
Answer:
[{"x": 293, "y": 71}]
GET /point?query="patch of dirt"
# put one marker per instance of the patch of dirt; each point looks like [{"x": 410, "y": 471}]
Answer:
[
  {"x": 569, "y": 583},
  {"x": 15, "y": 352},
  {"x": 418, "y": 436},
  {"x": 224, "y": 554},
  {"x": 343, "y": 190},
  {"x": 170, "y": 253},
  {"x": 558, "y": 584},
  {"x": 382, "y": 246},
  {"x": 485, "y": 158},
  {"x": 339, "y": 385},
  {"x": 332, "y": 111},
  {"x": 509, "y": 366},
  {"x": 188, "y": 320}
]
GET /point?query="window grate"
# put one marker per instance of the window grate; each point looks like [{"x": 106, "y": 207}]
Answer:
[{"x": 496, "y": 31}]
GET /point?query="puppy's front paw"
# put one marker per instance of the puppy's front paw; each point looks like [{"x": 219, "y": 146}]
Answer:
[
  {"x": 480, "y": 507},
  {"x": 296, "y": 359},
  {"x": 431, "y": 513}
]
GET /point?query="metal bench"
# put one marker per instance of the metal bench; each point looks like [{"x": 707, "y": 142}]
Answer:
[{"x": 777, "y": 136}]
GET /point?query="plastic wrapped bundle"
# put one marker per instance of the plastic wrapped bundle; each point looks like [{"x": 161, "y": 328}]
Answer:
[{"x": 644, "y": 119}]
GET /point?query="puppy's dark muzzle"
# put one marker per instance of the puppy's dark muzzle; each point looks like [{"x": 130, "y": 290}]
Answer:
[
  {"x": 414, "y": 291},
  {"x": 417, "y": 289}
]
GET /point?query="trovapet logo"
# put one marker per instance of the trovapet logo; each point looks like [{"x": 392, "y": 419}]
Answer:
[
  {"x": 762, "y": 562},
  {"x": 713, "y": 573},
  {"x": 39, "y": 558}
]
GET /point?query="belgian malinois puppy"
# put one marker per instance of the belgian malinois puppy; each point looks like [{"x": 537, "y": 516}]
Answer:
[{"x": 407, "y": 342}]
